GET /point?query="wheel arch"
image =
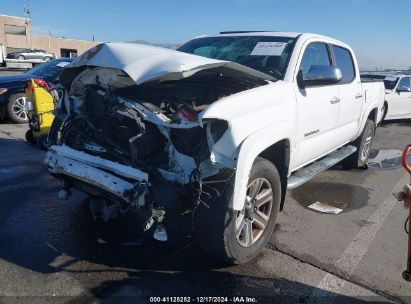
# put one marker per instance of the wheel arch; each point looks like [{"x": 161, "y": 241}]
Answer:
[
  {"x": 279, "y": 155},
  {"x": 384, "y": 114},
  {"x": 373, "y": 116},
  {"x": 273, "y": 143}
]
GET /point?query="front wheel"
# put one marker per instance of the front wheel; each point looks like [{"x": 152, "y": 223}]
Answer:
[
  {"x": 359, "y": 159},
  {"x": 239, "y": 236},
  {"x": 30, "y": 137}
]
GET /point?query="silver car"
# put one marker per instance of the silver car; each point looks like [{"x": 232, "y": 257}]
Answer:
[{"x": 29, "y": 54}]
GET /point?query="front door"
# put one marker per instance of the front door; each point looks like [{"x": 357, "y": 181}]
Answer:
[{"x": 318, "y": 108}]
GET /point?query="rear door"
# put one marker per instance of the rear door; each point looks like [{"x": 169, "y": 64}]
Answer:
[
  {"x": 400, "y": 101},
  {"x": 318, "y": 108},
  {"x": 37, "y": 54},
  {"x": 351, "y": 94}
]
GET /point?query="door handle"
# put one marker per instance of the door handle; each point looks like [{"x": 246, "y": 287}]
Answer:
[
  {"x": 335, "y": 100},
  {"x": 359, "y": 95}
]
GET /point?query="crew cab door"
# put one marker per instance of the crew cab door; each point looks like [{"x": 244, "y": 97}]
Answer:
[
  {"x": 318, "y": 108},
  {"x": 400, "y": 101},
  {"x": 351, "y": 94}
]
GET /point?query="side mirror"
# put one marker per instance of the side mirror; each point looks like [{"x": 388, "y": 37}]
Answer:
[
  {"x": 403, "y": 89},
  {"x": 318, "y": 75}
]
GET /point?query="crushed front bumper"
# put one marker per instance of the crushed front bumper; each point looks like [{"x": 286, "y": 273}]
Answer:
[{"x": 126, "y": 183}]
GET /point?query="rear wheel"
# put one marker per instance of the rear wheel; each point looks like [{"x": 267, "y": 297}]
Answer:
[
  {"x": 17, "y": 108},
  {"x": 239, "y": 236},
  {"x": 359, "y": 159},
  {"x": 384, "y": 111},
  {"x": 47, "y": 59},
  {"x": 20, "y": 57}
]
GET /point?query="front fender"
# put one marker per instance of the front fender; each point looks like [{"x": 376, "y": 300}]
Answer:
[{"x": 251, "y": 147}]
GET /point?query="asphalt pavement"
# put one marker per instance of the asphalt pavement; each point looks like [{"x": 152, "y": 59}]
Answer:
[{"x": 52, "y": 251}]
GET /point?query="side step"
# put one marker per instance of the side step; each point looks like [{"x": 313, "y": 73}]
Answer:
[{"x": 304, "y": 174}]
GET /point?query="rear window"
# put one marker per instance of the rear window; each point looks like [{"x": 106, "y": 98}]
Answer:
[
  {"x": 390, "y": 82},
  {"x": 345, "y": 63}
]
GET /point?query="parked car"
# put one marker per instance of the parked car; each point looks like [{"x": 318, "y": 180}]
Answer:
[
  {"x": 12, "y": 88},
  {"x": 217, "y": 130},
  {"x": 29, "y": 54},
  {"x": 397, "y": 103}
]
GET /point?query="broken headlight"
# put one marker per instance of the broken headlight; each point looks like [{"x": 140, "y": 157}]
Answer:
[{"x": 216, "y": 129}]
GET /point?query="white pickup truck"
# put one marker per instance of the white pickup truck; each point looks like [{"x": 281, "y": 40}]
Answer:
[{"x": 218, "y": 130}]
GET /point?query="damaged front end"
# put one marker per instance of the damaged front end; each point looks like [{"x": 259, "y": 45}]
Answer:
[{"x": 129, "y": 128}]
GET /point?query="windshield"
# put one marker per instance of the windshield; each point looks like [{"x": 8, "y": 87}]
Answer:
[
  {"x": 266, "y": 54},
  {"x": 49, "y": 69},
  {"x": 389, "y": 81}
]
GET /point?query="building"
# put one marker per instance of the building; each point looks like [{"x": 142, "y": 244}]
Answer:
[{"x": 16, "y": 34}]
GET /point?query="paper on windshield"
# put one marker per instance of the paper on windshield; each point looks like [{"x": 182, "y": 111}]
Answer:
[
  {"x": 269, "y": 49},
  {"x": 63, "y": 64},
  {"x": 390, "y": 78}
]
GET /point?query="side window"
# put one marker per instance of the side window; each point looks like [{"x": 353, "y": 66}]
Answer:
[
  {"x": 316, "y": 53},
  {"x": 345, "y": 63},
  {"x": 405, "y": 82}
]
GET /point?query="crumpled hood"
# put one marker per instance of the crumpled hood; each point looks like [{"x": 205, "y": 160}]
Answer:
[{"x": 145, "y": 63}]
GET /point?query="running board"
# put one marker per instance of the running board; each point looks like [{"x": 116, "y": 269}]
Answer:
[{"x": 304, "y": 174}]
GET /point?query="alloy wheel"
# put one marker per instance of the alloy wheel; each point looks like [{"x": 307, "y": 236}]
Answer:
[
  {"x": 253, "y": 219},
  {"x": 365, "y": 152},
  {"x": 19, "y": 108}
]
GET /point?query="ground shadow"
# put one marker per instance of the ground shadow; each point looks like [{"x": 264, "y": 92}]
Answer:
[{"x": 44, "y": 235}]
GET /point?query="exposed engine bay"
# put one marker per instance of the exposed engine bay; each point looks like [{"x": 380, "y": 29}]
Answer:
[{"x": 144, "y": 145}]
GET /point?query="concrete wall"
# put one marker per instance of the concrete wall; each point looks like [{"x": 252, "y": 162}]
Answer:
[
  {"x": 15, "y": 41},
  {"x": 30, "y": 41},
  {"x": 55, "y": 44}
]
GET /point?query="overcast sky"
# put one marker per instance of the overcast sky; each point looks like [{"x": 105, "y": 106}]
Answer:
[{"x": 378, "y": 30}]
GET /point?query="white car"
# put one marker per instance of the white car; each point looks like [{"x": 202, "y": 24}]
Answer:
[
  {"x": 397, "y": 103},
  {"x": 218, "y": 130}
]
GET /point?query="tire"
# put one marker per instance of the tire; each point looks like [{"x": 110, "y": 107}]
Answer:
[
  {"x": 16, "y": 108},
  {"x": 20, "y": 57},
  {"x": 385, "y": 110},
  {"x": 30, "y": 137},
  {"x": 221, "y": 230},
  {"x": 42, "y": 142},
  {"x": 359, "y": 159},
  {"x": 47, "y": 59}
]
